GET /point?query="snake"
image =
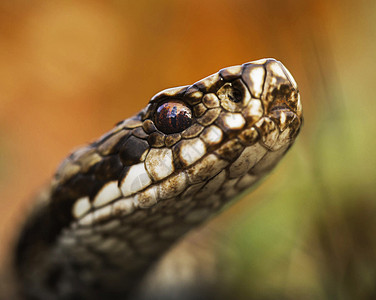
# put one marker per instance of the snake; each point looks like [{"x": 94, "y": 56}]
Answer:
[{"x": 116, "y": 205}]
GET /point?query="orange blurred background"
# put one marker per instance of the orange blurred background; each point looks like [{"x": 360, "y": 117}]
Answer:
[{"x": 69, "y": 70}]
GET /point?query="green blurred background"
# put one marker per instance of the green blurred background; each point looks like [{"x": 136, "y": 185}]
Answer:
[{"x": 70, "y": 69}]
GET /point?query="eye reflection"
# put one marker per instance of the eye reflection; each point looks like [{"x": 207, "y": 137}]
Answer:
[{"x": 173, "y": 116}]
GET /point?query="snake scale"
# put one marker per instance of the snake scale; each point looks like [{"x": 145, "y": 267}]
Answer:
[{"x": 116, "y": 205}]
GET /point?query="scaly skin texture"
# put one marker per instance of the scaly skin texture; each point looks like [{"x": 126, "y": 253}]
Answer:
[{"x": 115, "y": 206}]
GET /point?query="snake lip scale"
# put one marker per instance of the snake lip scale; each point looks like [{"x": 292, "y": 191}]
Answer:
[{"x": 116, "y": 205}]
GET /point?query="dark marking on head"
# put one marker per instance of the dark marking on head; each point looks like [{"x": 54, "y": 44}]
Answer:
[{"x": 132, "y": 150}]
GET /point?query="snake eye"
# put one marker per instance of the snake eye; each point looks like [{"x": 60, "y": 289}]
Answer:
[{"x": 173, "y": 116}]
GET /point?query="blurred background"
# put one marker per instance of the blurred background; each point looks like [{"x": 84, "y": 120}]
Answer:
[{"x": 69, "y": 70}]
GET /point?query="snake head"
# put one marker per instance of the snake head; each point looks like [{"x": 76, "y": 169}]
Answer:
[
  {"x": 129, "y": 195},
  {"x": 200, "y": 144},
  {"x": 237, "y": 107},
  {"x": 209, "y": 141}
]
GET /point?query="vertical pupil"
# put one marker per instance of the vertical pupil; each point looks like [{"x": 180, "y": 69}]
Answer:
[{"x": 173, "y": 116}]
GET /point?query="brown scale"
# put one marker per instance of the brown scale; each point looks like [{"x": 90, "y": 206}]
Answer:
[
  {"x": 193, "y": 95},
  {"x": 149, "y": 126},
  {"x": 209, "y": 117},
  {"x": 210, "y": 100},
  {"x": 156, "y": 139},
  {"x": 199, "y": 110},
  {"x": 140, "y": 133},
  {"x": 108, "y": 146},
  {"x": 230, "y": 150},
  {"x": 172, "y": 139},
  {"x": 192, "y": 131}
]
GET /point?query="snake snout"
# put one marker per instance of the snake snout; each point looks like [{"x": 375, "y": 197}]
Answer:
[{"x": 280, "y": 91}]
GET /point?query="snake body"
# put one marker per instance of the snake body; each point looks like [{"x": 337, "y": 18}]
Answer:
[{"x": 114, "y": 206}]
